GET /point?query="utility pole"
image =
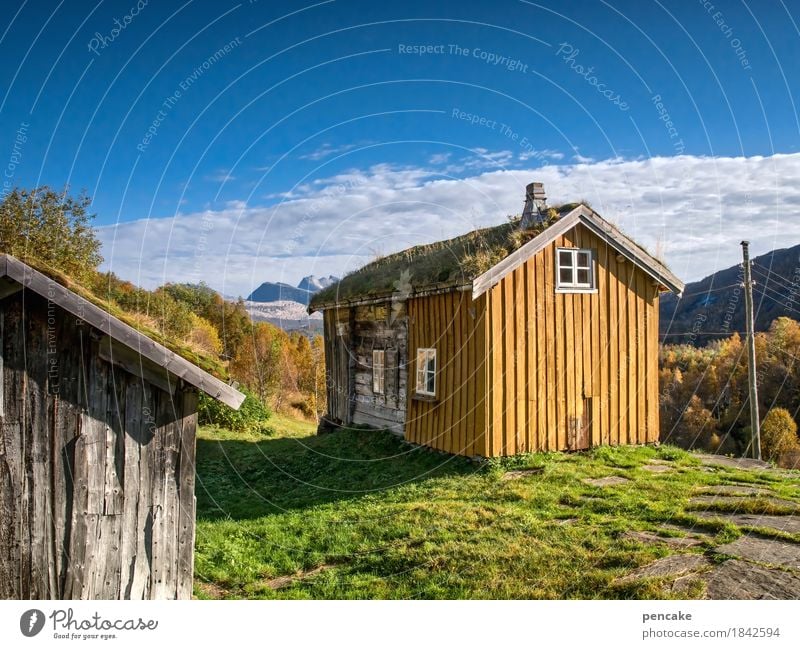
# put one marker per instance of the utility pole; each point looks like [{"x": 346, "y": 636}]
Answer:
[{"x": 755, "y": 423}]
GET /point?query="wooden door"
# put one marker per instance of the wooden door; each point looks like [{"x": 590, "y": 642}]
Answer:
[{"x": 580, "y": 422}]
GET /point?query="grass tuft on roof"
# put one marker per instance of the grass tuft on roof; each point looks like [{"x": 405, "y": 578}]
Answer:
[
  {"x": 440, "y": 265},
  {"x": 203, "y": 361}
]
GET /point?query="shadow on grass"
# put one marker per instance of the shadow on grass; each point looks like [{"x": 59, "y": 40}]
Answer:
[{"x": 247, "y": 479}]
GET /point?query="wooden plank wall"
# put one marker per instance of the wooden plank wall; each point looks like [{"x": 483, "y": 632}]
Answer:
[
  {"x": 338, "y": 364},
  {"x": 96, "y": 468},
  {"x": 456, "y": 420},
  {"x": 557, "y": 361},
  {"x": 381, "y": 326}
]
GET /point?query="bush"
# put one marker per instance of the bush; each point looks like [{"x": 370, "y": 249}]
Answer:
[
  {"x": 251, "y": 417},
  {"x": 778, "y": 434},
  {"x": 47, "y": 225}
]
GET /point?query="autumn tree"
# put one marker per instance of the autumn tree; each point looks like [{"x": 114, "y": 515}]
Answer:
[{"x": 51, "y": 227}]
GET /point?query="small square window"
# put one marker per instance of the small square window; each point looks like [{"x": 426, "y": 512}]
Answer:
[
  {"x": 426, "y": 371},
  {"x": 575, "y": 271},
  {"x": 378, "y": 371}
]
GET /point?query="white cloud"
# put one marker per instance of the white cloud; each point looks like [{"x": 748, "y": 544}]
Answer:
[
  {"x": 326, "y": 150},
  {"x": 694, "y": 209},
  {"x": 439, "y": 158},
  {"x": 219, "y": 176},
  {"x": 543, "y": 154}
]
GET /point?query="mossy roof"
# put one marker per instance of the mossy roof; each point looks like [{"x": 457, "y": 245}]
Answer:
[
  {"x": 440, "y": 265},
  {"x": 209, "y": 366}
]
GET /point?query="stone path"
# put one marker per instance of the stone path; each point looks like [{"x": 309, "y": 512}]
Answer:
[
  {"x": 760, "y": 550},
  {"x": 737, "y": 579},
  {"x": 787, "y": 524},
  {"x": 610, "y": 481},
  {"x": 521, "y": 473},
  {"x": 672, "y": 566},
  {"x": 657, "y": 468},
  {"x": 758, "y": 567},
  {"x": 736, "y": 490},
  {"x": 732, "y": 462},
  {"x": 671, "y": 541},
  {"x": 739, "y": 501}
]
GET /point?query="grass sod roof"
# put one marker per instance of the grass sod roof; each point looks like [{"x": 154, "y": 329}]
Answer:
[
  {"x": 204, "y": 362},
  {"x": 440, "y": 265}
]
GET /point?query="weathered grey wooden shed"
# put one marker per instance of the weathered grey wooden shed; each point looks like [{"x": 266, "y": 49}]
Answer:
[{"x": 97, "y": 449}]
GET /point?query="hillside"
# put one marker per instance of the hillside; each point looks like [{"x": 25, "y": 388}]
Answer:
[
  {"x": 358, "y": 514},
  {"x": 714, "y": 306}
]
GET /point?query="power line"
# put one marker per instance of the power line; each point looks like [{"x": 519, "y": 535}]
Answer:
[
  {"x": 771, "y": 279},
  {"x": 780, "y": 300},
  {"x": 711, "y": 290},
  {"x": 793, "y": 282}
]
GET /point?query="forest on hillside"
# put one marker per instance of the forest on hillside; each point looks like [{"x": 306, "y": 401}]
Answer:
[
  {"x": 704, "y": 392},
  {"x": 278, "y": 371}
]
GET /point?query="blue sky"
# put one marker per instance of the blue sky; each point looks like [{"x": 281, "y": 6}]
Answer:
[{"x": 239, "y": 142}]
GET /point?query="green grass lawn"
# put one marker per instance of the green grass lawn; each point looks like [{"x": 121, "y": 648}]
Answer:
[{"x": 360, "y": 514}]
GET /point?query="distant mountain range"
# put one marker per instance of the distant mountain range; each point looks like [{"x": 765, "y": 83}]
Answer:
[
  {"x": 280, "y": 292},
  {"x": 714, "y": 307}
]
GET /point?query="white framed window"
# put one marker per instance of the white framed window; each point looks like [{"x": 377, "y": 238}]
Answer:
[
  {"x": 574, "y": 270},
  {"x": 378, "y": 370},
  {"x": 426, "y": 372}
]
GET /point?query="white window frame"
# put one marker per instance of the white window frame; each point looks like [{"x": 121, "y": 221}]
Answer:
[
  {"x": 426, "y": 355},
  {"x": 379, "y": 371},
  {"x": 575, "y": 286}
]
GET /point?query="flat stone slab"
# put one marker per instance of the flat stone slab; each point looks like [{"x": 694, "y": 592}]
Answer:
[
  {"x": 788, "y": 524},
  {"x": 732, "y": 462},
  {"x": 754, "y": 548},
  {"x": 741, "y": 580},
  {"x": 672, "y": 566},
  {"x": 522, "y": 473},
  {"x": 610, "y": 481},
  {"x": 664, "y": 462},
  {"x": 691, "y": 532},
  {"x": 657, "y": 468},
  {"x": 739, "y": 501},
  {"x": 650, "y": 538},
  {"x": 682, "y": 585},
  {"x": 736, "y": 490}
]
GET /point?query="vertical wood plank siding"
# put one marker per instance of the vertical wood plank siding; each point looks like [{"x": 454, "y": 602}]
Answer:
[
  {"x": 96, "y": 468},
  {"x": 351, "y": 335},
  {"x": 455, "y": 421},
  {"x": 520, "y": 369},
  {"x": 579, "y": 363}
]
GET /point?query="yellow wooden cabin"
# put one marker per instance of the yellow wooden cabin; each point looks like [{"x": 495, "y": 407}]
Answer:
[{"x": 540, "y": 334}]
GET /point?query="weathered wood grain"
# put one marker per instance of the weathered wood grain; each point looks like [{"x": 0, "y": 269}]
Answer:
[{"x": 96, "y": 466}]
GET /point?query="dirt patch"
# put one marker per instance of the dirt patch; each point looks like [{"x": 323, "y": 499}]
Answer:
[
  {"x": 287, "y": 580},
  {"x": 770, "y": 551},
  {"x": 610, "y": 481}
]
